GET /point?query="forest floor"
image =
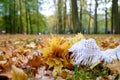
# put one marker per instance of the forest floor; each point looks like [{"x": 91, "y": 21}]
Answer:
[{"x": 46, "y": 57}]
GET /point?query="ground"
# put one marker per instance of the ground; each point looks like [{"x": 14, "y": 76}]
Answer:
[{"x": 46, "y": 57}]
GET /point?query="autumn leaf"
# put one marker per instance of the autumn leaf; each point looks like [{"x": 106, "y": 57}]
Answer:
[
  {"x": 115, "y": 66},
  {"x": 56, "y": 63},
  {"x": 44, "y": 74},
  {"x": 64, "y": 74},
  {"x": 56, "y": 54},
  {"x": 18, "y": 74},
  {"x": 6, "y": 64},
  {"x": 76, "y": 38},
  {"x": 5, "y": 76},
  {"x": 35, "y": 61},
  {"x": 31, "y": 45},
  {"x": 19, "y": 50}
]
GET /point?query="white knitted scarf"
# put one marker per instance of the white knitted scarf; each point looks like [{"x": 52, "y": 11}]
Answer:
[{"x": 87, "y": 52}]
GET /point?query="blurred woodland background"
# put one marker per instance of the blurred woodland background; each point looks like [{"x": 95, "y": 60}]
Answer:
[{"x": 69, "y": 16}]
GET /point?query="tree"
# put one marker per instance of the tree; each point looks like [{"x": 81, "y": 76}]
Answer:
[
  {"x": 119, "y": 14},
  {"x": 95, "y": 18},
  {"x": 21, "y": 22},
  {"x": 26, "y": 12},
  {"x": 81, "y": 9},
  {"x": 38, "y": 16},
  {"x": 106, "y": 18},
  {"x": 114, "y": 18},
  {"x": 89, "y": 17},
  {"x": 60, "y": 16},
  {"x": 65, "y": 15},
  {"x": 75, "y": 20},
  {"x": 14, "y": 16},
  {"x": 56, "y": 11}
]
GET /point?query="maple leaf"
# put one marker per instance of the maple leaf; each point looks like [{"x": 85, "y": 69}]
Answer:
[
  {"x": 18, "y": 74},
  {"x": 56, "y": 53}
]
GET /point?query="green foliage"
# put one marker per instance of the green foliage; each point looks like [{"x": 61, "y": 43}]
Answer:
[
  {"x": 82, "y": 73},
  {"x": 27, "y": 16},
  {"x": 85, "y": 73},
  {"x": 11, "y": 15}
]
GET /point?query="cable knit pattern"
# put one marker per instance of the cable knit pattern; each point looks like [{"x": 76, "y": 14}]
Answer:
[{"x": 87, "y": 52}]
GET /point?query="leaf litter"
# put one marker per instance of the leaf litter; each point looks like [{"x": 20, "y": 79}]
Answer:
[{"x": 30, "y": 57}]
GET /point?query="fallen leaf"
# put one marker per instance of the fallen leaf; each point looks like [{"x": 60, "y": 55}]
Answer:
[
  {"x": 18, "y": 74},
  {"x": 115, "y": 66},
  {"x": 36, "y": 61}
]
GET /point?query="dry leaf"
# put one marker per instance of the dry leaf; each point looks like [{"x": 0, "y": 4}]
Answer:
[
  {"x": 5, "y": 76},
  {"x": 43, "y": 74},
  {"x": 64, "y": 74},
  {"x": 18, "y": 74},
  {"x": 115, "y": 66},
  {"x": 6, "y": 65},
  {"x": 31, "y": 45},
  {"x": 36, "y": 61},
  {"x": 75, "y": 39},
  {"x": 56, "y": 54},
  {"x": 56, "y": 63}
]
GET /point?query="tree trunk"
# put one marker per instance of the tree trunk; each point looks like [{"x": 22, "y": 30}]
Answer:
[
  {"x": 6, "y": 18},
  {"x": 89, "y": 18},
  {"x": 115, "y": 22},
  {"x": 95, "y": 18},
  {"x": 26, "y": 14},
  {"x": 114, "y": 18},
  {"x": 38, "y": 16},
  {"x": 27, "y": 21},
  {"x": 81, "y": 8},
  {"x": 14, "y": 21},
  {"x": 60, "y": 16},
  {"x": 10, "y": 20},
  {"x": 30, "y": 23},
  {"x": 21, "y": 23},
  {"x": 65, "y": 12},
  {"x": 56, "y": 14},
  {"x": 106, "y": 19},
  {"x": 119, "y": 17},
  {"x": 75, "y": 20}
]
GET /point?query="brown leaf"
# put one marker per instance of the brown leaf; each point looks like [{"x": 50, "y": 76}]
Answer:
[
  {"x": 5, "y": 76},
  {"x": 35, "y": 61},
  {"x": 115, "y": 67},
  {"x": 64, "y": 74}
]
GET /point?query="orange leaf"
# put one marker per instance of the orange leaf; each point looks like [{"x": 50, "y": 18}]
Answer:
[{"x": 35, "y": 61}]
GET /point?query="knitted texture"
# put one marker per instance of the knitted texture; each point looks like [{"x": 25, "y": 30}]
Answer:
[{"x": 87, "y": 52}]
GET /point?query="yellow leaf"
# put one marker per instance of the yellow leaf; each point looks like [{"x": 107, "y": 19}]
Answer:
[
  {"x": 56, "y": 64},
  {"x": 46, "y": 51},
  {"x": 56, "y": 54},
  {"x": 18, "y": 74},
  {"x": 75, "y": 39}
]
